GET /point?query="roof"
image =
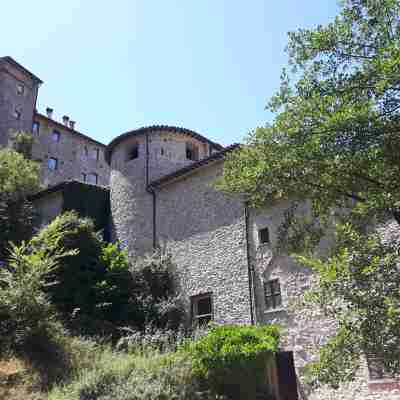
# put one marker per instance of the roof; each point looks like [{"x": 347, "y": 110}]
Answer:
[
  {"x": 67, "y": 128},
  {"x": 157, "y": 128},
  {"x": 11, "y": 61},
  {"x": 192, "y": 167},
  {"x": 62, "y": 186}
]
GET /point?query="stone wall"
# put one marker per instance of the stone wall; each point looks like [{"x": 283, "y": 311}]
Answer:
[
  {"x": 307, "y": 328},
  {"x": 11, "y": 99},
  {"x": 73, "y": 153},
  {"x": 131, "y": 203},
  {"x": 205, "y": 232}
]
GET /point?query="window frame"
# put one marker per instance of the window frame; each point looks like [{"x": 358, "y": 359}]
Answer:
[
  {"x": 192, "y": 151},
  {"x": 20, "y": 89},
  {"x": 94, "y": 174},
  {"x": 133, "y": 152},
  {"x": 17, "y": 114},
  {"x": 94, "y": 154},
  {"x": 36, "y": 131},
  {"x": 55, "y": 164},
  {"x": 271, "y": 296},
  {"x": 261, "y": 233},
  {"x": 194, "y": 316},
  {"x": 376, "y": 368},
  {"x": 55, "y": 134}
]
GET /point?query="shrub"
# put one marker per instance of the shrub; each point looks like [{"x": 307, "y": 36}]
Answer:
[
  {"x": 154, "y": 291},
  {"x": 19, "y": 178},
  {"x": 28, "y": 322},
  {"x": 232, "y": 359}
]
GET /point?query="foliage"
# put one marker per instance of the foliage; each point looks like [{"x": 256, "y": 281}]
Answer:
[
  {"x": 334, "y": 141},
  {"x": 29, "y": 327},
  {"x": 78, "y": 274},
  {"x": 22, "y": 143},
  {"x": 19, "y": 178},
  {"x": 233, "y": 359},
  {"x": 154, "y": 291},
  {"x": 359, "y": 286},
  {"x": 98, "y": 289}
]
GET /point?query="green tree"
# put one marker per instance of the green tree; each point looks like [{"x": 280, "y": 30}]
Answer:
[
  {"x": 19, "y": 177},
  {"x": 335, "y": 141}
]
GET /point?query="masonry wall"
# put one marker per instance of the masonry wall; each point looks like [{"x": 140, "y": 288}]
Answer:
[
  {"x": 131, "y": 203},
  {"x": 307, "y": 328},
  {"x": 205, "y": 232},
  {"x": 10, "y": 100},
  {"x": 70, "y": 152}
]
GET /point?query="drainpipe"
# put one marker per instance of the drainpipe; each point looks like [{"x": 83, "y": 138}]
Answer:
[
  {"x": 152, "y": 192},
  {"x": 250, "y": 268}
]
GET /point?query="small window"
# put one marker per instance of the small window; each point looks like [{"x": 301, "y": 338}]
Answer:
[
  {"x": 20, "y": 89},
  {"x": 202, "y": 312},
  {"x": 133, "y": 152},
  {"x": 192, "y": 152},
  {"x": 376, "y": 368},
  {"x": 55, "y": 136},
  {"x": 94, "y": 154},
  {"x": 17, "y": 113},
  {"x": 91, "y": 178},
  {"x": 36, "y": 128},
  {"x": 52, "y": 163},
  {"x": 273, "y": 297},
  {"x": 263, "y": 236},
  {"x": 162, "y": 151}
]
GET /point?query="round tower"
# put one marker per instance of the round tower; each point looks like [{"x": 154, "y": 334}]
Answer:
[{"x": 137, "y": 158}]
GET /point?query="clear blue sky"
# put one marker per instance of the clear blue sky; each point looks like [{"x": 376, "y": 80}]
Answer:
[{"x": 113, "y": 66}]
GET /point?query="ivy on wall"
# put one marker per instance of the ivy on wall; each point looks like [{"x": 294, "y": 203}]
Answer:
[{"x": 89, "y": 201}]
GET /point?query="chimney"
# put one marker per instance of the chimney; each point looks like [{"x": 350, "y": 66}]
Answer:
[
  {"x": 65, "y": 119},
  {"x": 72, "y": 124},
  {"x": 49, "y": 112}
]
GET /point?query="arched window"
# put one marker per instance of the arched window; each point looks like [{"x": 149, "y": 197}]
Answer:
[{"x": 133, "y": 152}]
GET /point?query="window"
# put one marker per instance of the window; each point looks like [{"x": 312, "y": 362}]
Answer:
[
  {"x": 273, "y": 298},
  {"x": 263, "y": 236},
  {"x": 83, "y": 177},
  {"x": 52, "y": 163},
  {"x": 20, "y": 89},
  {"x": 202, "y": 312},
  {"x": 86, "y": 151},
  {"x": 17, "y": 113},
  {"x": 36, "y": 127},
  {"x": 133, "y": 152},
  {"x": 55, "y": 136},
  {"x": 192, "y": 152},
  {"x": 162, "y": 151},
  {"x": 91, "y": 178},
  {"x": 94, "y": 154},
  {"x": 376, "y": 368}
]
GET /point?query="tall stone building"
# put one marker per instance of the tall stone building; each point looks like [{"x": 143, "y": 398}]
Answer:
[
  {"x": 162, "y": 193},
  {"x": 63, "y": 152}
]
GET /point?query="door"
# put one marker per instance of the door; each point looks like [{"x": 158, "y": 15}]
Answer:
[{"x": 286, "y": 376}]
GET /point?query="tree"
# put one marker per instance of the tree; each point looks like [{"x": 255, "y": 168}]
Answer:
[
  {"x": 19, "y": 177},
  {"x": 335, "y": 141}
]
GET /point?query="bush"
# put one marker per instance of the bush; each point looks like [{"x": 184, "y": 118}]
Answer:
[
  {"x": 29, "y": 327},
  {"x": 232, "y": 360},
  {"x": 19, "y": 178}
]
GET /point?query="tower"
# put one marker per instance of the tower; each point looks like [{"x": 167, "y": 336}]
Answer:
[
  {"x": 18, "y": 94},
  {"x": 138, "y": 158}
]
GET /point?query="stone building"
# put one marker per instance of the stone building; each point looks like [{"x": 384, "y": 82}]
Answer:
[
  {"x": 162, "y": 193},
  {"x": 63, "y": 152}
]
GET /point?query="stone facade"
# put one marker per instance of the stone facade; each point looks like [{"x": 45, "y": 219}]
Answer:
[
  {"x": 73, "y": 156},
  {"x": 173, "y": 202},
  {"x": 162, "y": 193}
]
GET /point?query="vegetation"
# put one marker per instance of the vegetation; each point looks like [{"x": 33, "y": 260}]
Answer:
[
  {"x": 335, "y": 142},
  {"x": 19, "y": 177},
  {"x": 233, "y": 359},
  {"x": 63, "y": 367},
  {"x": 97, "y": 289}
]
